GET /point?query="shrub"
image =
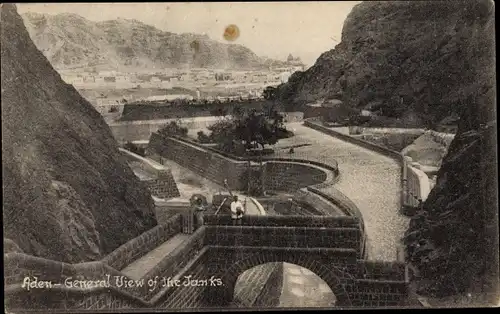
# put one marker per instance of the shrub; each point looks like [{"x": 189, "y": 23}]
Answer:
[
  {"x": 173, "y": 129},
  {"x": 135, "y": 149},
  {"x": 203, "y": 138},
  {"x": 284, "y": 133}
]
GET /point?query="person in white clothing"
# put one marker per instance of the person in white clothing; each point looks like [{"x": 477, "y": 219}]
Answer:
[{"x": 237, "y": 211}]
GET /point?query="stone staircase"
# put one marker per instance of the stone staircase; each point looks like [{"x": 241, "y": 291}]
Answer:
[{"x": 140, "y": 267}]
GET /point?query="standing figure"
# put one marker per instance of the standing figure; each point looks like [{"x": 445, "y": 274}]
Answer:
[
  {"x": 237, "y": 211},
  {"x": 198, "y": 212}
]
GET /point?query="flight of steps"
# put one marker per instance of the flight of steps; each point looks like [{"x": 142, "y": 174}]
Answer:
[{"x": 140, "y": 267}]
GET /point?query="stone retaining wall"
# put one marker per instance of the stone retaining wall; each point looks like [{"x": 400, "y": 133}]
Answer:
[
  {"x": 141, "y": 245},
  {"x": 174, "y": 264},
  {"x": 289, "y": 177},
  {"x": 278, "y": 174},
  {"x": 162, "y": 184},
  {"x": 345, "y": 238},
  {"x": 214, "y": 167},
  {"x": 371, "y": 146},
  {"x": 417, "y": 184},
  {"x": 289, "y": 221},
  {"x": 18, "y": 266},
  {"x": 129, "y": 131},
  {"x": 375, "y": 130}
]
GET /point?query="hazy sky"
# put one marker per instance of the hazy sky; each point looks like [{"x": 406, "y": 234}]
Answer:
[{"x": 304, "y": 29}]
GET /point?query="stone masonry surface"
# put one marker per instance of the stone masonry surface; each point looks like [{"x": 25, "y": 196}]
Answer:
[{"x": 369, "y": 179}]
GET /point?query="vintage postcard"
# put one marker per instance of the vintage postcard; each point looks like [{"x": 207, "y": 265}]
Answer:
[{"x": 248, "y": 156}]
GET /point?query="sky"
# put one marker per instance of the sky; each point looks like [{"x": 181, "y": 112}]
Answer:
[{"x": 272, "y": 29}]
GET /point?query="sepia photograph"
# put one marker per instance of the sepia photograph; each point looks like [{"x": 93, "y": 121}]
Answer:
[{"x": 242, "y": 156}]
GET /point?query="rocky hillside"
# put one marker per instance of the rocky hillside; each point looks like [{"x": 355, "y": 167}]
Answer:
[
  {"x": 67, "y": 193},
  {"x": 69, "y": 40},
  {"x": 453, "y": 241},
  {"x": 392, "y": 57}
]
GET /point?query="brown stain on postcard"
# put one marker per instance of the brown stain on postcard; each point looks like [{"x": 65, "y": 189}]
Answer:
[{"x": 231, "y": 32}]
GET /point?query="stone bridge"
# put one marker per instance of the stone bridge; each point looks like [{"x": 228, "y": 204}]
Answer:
[
  {"x": 330, "y": 247},
  {"x": 207, "y": 264}
]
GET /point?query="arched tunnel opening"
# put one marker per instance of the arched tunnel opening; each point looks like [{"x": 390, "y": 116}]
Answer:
[{"x": 281, "y": 285}]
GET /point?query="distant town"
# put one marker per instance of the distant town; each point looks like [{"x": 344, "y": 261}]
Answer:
[{"x": 111, "y": 89}]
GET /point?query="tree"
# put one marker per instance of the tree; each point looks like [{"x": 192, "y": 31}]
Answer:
[
  {"x": 135, "y": 149},
  {"x": 269, "y": 93},
  {"x": 250, "y": 129},
  {"x": 256, "y": 129},
  {"x": 173, "y": 129}
]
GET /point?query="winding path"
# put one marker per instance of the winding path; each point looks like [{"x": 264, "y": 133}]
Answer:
[{"x": 369, "y": 179}]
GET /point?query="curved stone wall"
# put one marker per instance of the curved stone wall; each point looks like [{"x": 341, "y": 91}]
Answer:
[
  {"x": 290, "y": 176},
  {"x": 217, "y": 166}
]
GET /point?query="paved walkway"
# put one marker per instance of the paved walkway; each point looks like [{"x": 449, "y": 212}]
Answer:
[
  {"x": 369, "y": 179},
  {"x": 140, "y": 267},
  {"x": 303, "y": 288}
]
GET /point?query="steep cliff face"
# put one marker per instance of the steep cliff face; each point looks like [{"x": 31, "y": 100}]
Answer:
[
  {"x": 453, "y": 241},
  {"x": 69, "y": 40},
  {"x": 394, "y": 53},
  {"x": 68, "y": 195},
  {"x": 433, "y": 59}
]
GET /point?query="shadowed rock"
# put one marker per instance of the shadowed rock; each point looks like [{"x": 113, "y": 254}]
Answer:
[{"x": 68, "y": 195}]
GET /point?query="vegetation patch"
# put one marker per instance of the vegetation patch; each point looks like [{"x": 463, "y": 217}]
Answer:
[{"x": 246, "y": 133}]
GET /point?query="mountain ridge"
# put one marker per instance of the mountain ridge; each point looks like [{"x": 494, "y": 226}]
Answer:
[{"x": 70, "y": 40}]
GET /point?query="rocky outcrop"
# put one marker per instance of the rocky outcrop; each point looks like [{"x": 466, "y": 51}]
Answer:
[
  {"x": 69, "y": 40},
  {"x": 453, "y": 241},
  {"x": 392, "y": 58},
  {"x": 67, "y": 193},
  {"x": 426, "y": 150}
]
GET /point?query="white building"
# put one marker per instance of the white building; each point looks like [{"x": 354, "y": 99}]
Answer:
[{"x": 284, "y": 77}]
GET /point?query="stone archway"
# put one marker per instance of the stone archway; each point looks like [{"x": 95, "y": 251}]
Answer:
[{"x": 331, "y": 276}]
